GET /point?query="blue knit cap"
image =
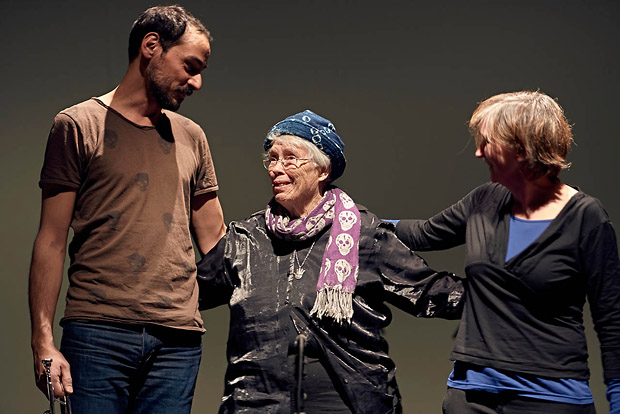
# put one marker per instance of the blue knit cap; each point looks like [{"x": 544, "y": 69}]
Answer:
[{"x": 319, "y": 131}]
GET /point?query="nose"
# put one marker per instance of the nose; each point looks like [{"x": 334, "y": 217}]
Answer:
[
  {"x": 479, "y": 153},
  {"x": 195, "y": 82},
  {"x": 275, "y": 170}
]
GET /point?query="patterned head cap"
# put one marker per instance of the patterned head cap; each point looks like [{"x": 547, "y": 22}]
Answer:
[{"x": 319, "y": 131}]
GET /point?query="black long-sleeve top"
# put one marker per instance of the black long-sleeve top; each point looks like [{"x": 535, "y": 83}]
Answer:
[
  {"x": 250, "y": 270},
  {"x": 525, "y": 315}
]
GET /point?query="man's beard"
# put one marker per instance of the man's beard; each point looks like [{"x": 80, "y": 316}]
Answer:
[{"x": 160, "y": 89}]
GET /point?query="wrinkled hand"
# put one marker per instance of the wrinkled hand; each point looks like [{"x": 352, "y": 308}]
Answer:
[{"x": 60, "y": 371}]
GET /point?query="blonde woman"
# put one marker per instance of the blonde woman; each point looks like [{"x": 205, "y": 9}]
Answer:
[{"x": 536, "y": 249}]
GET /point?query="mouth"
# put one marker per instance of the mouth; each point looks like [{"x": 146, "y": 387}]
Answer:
[
  {"x": 279, "y": 185},
  {"x": 185, "y": 92}
]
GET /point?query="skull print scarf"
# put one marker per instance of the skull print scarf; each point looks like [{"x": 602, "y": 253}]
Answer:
[{"x": 340, "y": 265}]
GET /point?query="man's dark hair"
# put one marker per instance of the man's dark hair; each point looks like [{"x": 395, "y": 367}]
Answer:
[{"x": 170, "y": 22}]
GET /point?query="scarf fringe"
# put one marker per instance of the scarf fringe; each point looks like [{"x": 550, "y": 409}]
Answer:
[{"x": 333, "y": 302}]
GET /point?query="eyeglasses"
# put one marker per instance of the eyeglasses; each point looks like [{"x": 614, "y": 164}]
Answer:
[{"x": 288, "y": 163}]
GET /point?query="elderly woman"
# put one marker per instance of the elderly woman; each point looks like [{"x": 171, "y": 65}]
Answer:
[
  {"x": 536, "y": 249},
  {"x": 306, "y": 281}
]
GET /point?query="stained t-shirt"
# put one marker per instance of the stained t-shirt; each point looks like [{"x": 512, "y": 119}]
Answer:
[{"x": 132, "y": 258}]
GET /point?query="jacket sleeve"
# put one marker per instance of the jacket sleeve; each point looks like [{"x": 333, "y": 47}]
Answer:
[
  {"x": 599, "y": 252},
  {"x": 408, "y": 282},
  {"x": 214, "y": 281},
  {"x": 442, "y": 231}
]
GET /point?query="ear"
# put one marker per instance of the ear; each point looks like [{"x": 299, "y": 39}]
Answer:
[
  {"x": 521, "y": 154},
  {"x": 323, "y": 176},
  {"x": 151, "y": 44}
]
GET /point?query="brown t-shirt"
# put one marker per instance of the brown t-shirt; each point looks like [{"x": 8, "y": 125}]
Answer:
[{"x": 132, "y": 258}]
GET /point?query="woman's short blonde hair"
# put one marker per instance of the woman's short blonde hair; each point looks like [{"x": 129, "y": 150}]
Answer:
[{"x": 530, "y": 123}]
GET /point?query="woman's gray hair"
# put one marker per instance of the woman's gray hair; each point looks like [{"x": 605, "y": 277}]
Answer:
[{"x": 318, "y": 157}]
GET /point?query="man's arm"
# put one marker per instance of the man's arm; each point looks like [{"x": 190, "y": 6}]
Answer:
[
  {"x": 46, "y": 273},
  {"x": 207, "y": 221}
]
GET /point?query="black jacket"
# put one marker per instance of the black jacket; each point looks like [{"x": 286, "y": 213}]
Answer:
[
  {"x": 249, "y": 270},
  {"x": 525, "y": 315}
]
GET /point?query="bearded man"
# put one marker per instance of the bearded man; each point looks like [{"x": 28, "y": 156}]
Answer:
[{"x": 135, "y": 181}]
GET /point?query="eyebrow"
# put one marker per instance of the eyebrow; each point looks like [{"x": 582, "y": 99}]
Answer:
[{"x": 198, "y": 61}]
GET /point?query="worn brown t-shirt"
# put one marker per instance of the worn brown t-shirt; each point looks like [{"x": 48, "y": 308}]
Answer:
[{"x": 132, "y": 258}]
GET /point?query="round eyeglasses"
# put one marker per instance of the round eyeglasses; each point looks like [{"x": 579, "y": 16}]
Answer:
[{"x": 288, "y": 163}]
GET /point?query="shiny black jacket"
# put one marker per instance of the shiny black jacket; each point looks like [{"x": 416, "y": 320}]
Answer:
[{"x": 250, "y": 270}]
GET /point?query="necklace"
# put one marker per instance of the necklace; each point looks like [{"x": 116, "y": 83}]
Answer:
[{"x": 300, "y": 271}]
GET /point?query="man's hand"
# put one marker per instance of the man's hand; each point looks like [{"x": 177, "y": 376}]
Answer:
[{"x": 59, "y": 371}]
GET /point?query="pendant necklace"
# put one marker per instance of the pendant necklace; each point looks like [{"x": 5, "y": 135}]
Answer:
[{"x": 300, "y": 271}]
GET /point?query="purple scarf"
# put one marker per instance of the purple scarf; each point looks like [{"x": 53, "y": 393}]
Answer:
[{"x": 340, "y": 266}]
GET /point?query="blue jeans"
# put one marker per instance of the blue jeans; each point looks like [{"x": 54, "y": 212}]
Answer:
[{"x": 119, "y": 368}]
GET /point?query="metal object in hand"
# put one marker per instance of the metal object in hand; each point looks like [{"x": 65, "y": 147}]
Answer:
[{"x": 65, "y": 404}]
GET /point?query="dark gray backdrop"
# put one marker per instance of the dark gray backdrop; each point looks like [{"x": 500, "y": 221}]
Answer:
[{"x": 399, "y": 80}]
